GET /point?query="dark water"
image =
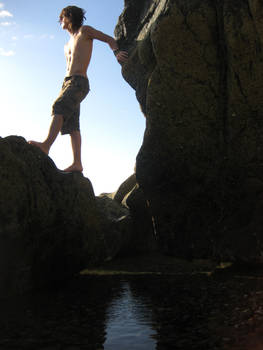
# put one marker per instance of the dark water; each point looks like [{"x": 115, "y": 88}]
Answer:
[
  {"x": 135, "y": 312},
  {"x": 89, "y": 313}
]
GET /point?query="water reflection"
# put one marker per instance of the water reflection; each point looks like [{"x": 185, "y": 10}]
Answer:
[
  {"x": 159, "y": 312},
  {"x": 89, "y": 313},
  {"x": 129, "y": 323}
]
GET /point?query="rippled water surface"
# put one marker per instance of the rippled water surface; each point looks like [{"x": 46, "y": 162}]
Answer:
[{"x": 129, "y": 323}]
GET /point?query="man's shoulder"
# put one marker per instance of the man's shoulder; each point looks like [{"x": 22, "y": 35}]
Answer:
[{"x": 87, "y": 30}]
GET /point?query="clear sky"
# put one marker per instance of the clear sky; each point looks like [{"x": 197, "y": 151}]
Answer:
[{"x": 32, "y": 69}]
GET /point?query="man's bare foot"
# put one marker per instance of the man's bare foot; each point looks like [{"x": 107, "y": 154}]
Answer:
[
  {"x": 74, "y": 167},
  {"x": 40, "y": 145}
]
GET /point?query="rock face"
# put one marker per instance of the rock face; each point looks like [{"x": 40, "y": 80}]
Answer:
[
  {"x": 197, "y": 69},
  {"x": 51, "y": 224}
]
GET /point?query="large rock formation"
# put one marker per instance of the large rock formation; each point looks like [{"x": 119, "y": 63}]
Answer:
[
  {"x": 51, "y": 224},
  {"x": 197, "y": 68}
]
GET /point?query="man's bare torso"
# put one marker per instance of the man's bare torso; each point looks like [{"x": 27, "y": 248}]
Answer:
[{"x": 78, "y": 53}]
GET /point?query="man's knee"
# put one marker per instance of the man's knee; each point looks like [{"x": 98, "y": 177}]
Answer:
[
  {"x": 58, "y": 117},
  {"x": 75, "y": 132}
]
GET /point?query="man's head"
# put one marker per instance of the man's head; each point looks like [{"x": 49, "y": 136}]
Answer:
[{"x": 74, "y": 16}]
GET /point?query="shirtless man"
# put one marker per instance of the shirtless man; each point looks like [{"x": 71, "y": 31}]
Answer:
[{"x": 66, "y": 108}]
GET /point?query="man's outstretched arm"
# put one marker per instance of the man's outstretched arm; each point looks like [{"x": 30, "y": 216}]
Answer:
[{"x": 92, "y": 33}]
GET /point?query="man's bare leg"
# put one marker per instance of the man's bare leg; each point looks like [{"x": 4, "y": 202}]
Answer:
[
  {"x": 54, "y": 129},
  {"x": 76, "y": 148}
]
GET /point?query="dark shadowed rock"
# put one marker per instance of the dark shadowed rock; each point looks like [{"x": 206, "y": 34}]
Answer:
[
  {"x": 137, "y": 219},
  {"x": 144, "y": 239},
  {"x": 51, "y": 225},
  {"x": 197, "y": 70},
  {"x": 117, "y": 223}
]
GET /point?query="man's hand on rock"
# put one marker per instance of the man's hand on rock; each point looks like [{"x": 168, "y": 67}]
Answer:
[{"x": 121, "y": 56}]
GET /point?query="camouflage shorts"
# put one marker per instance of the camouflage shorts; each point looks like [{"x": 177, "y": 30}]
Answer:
[{"x": 74, "y": 89}]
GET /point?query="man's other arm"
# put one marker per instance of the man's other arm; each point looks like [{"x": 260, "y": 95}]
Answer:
[{"x": 93, "y": 33}]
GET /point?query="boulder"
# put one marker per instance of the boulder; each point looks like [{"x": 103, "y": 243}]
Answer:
[
  {"x": 51, "y": 224},
  {"x": 125, "y": 188},
  {"x": 117, "y": 224},
  {"x": 196, "y": 67},
  {"x": 129, "y": 199}
]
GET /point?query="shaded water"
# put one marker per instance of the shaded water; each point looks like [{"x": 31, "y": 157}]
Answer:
[
  {"x": 161, "y": 312},
  {"x": 89, "y": 313}
]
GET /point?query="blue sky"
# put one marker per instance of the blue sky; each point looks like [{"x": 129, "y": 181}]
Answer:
[{"x": 32, "y": 68}]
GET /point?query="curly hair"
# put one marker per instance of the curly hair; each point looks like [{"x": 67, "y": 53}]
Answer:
[{"x": 76, "y": 16}]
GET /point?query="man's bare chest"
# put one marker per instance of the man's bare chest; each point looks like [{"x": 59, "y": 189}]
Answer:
[
  {"x": 69, "y": 47},
  {"x": 73, "y": 46}
]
